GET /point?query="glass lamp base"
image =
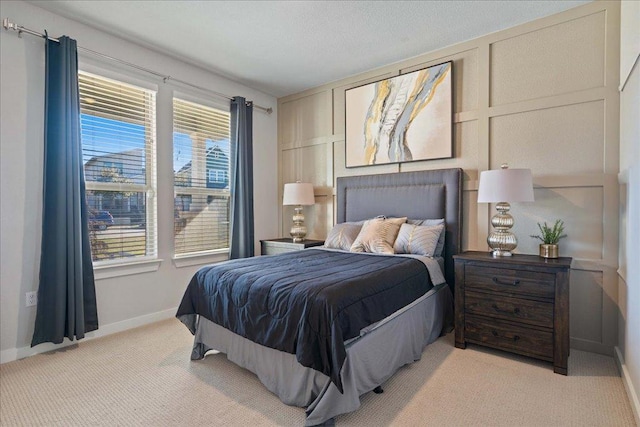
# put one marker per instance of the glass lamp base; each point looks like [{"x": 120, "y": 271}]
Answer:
[
  {"x": 298, "y": 230},
  {"x": 502, "y": 243},
  {"x": 501, "y": 240}
]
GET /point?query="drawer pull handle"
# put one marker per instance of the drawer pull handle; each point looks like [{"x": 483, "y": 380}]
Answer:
[
  {"x": 499, "y": 310},
  {"x": 500, "y": 282},
  {"x": 515, "y": 337}
]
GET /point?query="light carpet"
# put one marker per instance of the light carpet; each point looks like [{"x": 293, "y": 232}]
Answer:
[{"x": 143, "y": 377}]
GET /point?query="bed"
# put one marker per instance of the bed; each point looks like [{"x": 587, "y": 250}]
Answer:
[{"x": 328, "y": 369}]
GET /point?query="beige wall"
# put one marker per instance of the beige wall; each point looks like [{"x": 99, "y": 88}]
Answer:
[
  {"x": 544, "y": 96},
  {"x": 629, "y": 180}
]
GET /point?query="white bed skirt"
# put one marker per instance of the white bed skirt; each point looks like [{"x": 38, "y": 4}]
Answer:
[{"x": 372, "y": 358}]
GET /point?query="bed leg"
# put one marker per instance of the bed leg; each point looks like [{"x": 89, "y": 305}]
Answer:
[{"x": 378, "y": 390}]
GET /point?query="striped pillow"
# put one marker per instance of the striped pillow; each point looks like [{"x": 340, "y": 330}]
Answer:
[
  {"x": 440, "y": 248},
  {"x": 343, "y": 235},
  {"x": 377, "y": 235},
  {"x": 418, "y": 239}
]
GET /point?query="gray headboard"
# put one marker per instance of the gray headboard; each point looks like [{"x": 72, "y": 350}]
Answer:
[{"x": 417, "y": 195}]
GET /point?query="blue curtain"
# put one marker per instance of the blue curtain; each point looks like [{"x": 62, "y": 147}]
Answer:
[
  {"x": 66, "y": 293},
  {"x": 242, "y": 228}
]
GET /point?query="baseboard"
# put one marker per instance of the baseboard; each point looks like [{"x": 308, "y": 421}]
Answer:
[
  {"x": 628, "y": 385},
  {"x": 8, "y": 355},
  {"x": 20, "y": 353}
]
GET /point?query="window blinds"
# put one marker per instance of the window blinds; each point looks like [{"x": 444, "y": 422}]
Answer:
[
  {"x": 118, "y": 146},
  {"x": 201, "y": 156}
]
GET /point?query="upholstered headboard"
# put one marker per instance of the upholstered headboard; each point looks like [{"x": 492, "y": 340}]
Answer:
[{"x": 417, "y": 195}]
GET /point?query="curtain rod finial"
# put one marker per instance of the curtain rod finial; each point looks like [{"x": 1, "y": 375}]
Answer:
[{"x": 8, "y": 25}]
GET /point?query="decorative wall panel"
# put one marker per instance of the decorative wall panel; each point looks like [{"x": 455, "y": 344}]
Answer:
[
  {"x": 304, "y": 118},
  {"x": 580, "y": 208},
  {"x": 551, "y": 141},
  {"x": 562, "y": 58}
]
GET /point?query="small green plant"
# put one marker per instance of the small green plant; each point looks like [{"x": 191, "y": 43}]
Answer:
[{"x": 549, "y": 235}]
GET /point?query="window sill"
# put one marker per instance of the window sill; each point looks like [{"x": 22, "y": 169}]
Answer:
[
  {"x": 125, "y": 269},
  {"x": 200, "y": 259}
]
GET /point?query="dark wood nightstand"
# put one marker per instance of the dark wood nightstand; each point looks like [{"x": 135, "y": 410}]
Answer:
[
  {"x": 278, "y": 246},
  {"x": 518, "y": 304}
]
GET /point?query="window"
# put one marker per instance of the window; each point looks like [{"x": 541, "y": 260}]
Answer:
[
  {"x": 118, "y": 148},
  {"x": 201, "y": 178},
  {"x": 218, "y": 176}
]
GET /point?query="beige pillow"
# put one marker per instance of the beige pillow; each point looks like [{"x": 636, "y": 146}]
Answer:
[
  {"x": 418, "y": 239},
  {"x": 343, "y": 235},
  {"x": 377, "y": 235}
]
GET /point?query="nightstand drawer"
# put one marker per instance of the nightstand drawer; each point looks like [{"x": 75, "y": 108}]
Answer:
[
  {"x": 514, "y": 309},
  {"x": 510, "y": 337},
  {"x": 280, "y": 246},
  {"x": 510, "y": 281}
]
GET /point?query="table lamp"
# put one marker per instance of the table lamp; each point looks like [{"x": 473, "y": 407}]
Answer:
[
  {"x": 298, "y": 194},
  {"x": 501, "y": 187}
]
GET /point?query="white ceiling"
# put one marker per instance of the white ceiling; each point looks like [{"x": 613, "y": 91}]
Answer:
[{"x": 284, "y": 47}]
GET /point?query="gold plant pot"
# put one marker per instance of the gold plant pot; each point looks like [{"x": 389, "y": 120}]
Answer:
[{"x": 548, "y": 251}]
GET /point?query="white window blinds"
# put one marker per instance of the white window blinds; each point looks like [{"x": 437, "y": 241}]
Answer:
[
  {"x": 201, "y": 156},
  {"x": 118, "y": 146}
]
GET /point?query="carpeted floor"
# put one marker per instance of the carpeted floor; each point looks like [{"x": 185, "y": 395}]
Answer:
[{"x": 144, "y": 377}]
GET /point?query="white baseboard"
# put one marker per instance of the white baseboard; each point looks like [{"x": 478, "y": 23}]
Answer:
[
  {"x": 8, "y": 355},
  {"x": 20, "y": 353},
  {"x": 628, "y": 385}
]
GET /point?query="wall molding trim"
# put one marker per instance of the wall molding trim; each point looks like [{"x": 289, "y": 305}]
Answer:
[
  {"x": 12, "y": 354},
  {"x": 628, "y": 384}
]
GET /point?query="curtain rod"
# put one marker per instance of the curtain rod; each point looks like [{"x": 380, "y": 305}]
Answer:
[{"x": 8, "y": 25}]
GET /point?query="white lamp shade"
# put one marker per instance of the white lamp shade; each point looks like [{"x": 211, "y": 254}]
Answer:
[
  {"x": 505, "y": 185},
  {"x": 298, "y": 193}
]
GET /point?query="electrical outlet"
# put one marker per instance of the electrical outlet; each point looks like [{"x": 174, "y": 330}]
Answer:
[{"x": 32, "y": 299}]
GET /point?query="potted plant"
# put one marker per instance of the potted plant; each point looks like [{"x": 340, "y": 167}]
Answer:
[{"x": 550, "y": 236}]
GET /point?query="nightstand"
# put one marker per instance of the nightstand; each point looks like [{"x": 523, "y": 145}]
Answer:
[
  {"x": 278, "y": 246},
  {"x": 518, "y": 304}
]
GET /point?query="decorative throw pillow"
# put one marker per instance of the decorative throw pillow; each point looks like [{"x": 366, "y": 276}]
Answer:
[
  {"x": 343, "y": 235},
  {"x": 440, "y": 247},
  {"x": 377, "y": 235},
  {"x": 418, "y": 239}
]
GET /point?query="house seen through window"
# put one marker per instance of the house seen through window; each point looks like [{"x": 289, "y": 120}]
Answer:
[
  {"x": 201, "y": 153},
  {"x": 118, "y": 147}
]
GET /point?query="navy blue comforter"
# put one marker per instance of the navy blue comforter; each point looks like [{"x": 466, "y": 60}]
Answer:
[{"x": 305, "y": 303}]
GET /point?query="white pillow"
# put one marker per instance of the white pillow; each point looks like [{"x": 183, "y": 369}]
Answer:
[
  {"x": 343, "y": 235},
  {"x": 418, "y": 239},
  {"x": 377, "y": 235}
]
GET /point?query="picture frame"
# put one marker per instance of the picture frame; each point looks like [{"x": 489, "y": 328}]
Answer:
[{"x": 405, "y": 118}]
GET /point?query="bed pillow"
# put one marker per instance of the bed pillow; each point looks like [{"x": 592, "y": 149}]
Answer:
[
  {"x": 343, "y": 235},
  {"x": 418, "y": 239},
  {"x": 440, "y": 247},
  {"x": 377, "y": 235}
]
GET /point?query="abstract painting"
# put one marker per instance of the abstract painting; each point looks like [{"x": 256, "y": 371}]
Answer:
[{"x": 400, "y": 119}]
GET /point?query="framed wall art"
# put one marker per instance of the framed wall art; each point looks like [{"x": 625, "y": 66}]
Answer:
[{"x": 400, "y": 119}]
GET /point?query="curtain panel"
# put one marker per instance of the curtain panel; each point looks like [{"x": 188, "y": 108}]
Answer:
[
  {"x": 242, "y": 224},
  {"x": 66, "y": 292}
]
